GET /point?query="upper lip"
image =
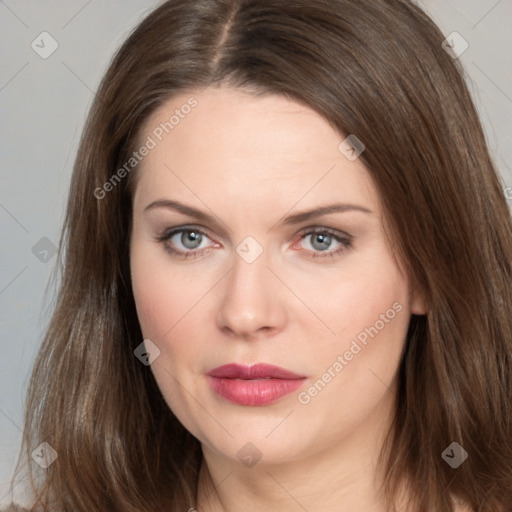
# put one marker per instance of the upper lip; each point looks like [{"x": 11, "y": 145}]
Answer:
[{"x": 254, "y": 371}]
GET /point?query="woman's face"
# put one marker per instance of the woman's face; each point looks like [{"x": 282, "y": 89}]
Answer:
[{"x": 272, "y": 251}]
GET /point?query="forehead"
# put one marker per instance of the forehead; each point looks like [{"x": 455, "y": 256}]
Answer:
[
  {"x": 234, "y": 142},
  {"x": 222, "y": 115}
]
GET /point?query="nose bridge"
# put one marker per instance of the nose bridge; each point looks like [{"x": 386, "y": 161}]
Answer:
[{"x": 250, "y": 300}]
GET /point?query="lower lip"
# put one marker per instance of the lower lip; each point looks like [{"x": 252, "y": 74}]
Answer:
[{"x": 254, "y": 392}]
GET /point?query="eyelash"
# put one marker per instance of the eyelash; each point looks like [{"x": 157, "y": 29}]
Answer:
[{"x": 343, "y": 238}]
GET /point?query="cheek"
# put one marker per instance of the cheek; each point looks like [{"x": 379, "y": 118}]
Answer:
[
  {"x": 355, "y": 370},
  {"x": 367, "y": 299},
  {"x": 162, "y": 296},
  {"x": 155, "y": 302},
  {"x": 171, "y": 311},
  {"x": 369, "y": 313},
  {"x": 171, "y": 308}
]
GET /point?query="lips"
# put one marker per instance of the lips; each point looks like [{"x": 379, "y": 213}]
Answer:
[
  {"x": 255, "y": 371},
  {"x": 255, "y": 385}
]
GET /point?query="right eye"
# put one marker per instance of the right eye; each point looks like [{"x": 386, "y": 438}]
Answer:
[{"x": 185, "y": 242}]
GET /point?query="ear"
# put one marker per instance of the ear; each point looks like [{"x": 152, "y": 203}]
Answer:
[{"x": 418, "y": 303}]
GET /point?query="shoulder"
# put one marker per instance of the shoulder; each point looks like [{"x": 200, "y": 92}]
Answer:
[{"x": 14, "y": 508}]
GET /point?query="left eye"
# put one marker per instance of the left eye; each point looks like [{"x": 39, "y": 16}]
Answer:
[
  {"x": 319, "y": 241},
  {"x": 322, "y": 242}
]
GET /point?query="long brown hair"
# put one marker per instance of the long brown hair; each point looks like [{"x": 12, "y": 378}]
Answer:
[{"x": 373, "y": 68}]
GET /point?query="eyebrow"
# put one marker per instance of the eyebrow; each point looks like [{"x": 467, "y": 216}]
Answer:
[{"x": 296, "y": 218}]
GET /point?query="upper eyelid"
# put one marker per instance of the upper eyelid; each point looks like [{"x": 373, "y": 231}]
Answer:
[
  {"x": 186, "y": 227},
  {"x": 305, "y": 230}
]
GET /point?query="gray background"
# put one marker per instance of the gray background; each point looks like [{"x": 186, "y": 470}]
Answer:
[{"x": 43, "y": 103}]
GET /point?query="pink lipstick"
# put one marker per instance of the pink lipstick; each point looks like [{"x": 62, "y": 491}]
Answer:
[{"x": 254, "y": 385}]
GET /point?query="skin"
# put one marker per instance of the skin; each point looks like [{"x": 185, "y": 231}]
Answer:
[{"x": 250, "y": 162}]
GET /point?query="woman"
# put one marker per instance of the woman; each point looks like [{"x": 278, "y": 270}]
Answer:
[{"x": 288, "y": 274}]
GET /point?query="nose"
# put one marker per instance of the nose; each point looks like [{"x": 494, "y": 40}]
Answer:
[{"x": 252, "y": 305}]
